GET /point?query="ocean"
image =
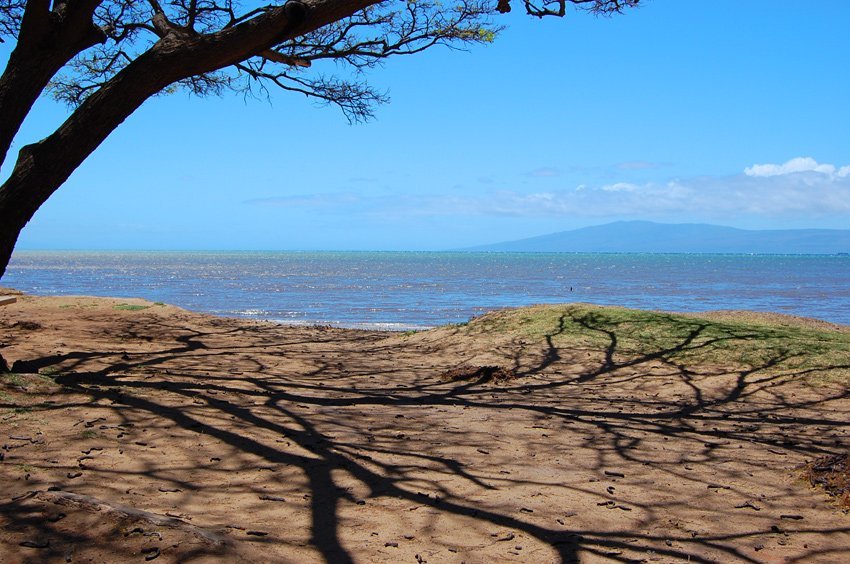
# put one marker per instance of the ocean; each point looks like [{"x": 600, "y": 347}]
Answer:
[{"x": 416, "y": 290}]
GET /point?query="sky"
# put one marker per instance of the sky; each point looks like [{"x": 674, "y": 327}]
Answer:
[{"x": 727, "y": 112}]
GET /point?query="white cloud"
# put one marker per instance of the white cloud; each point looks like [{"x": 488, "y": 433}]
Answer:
[
  {"x": 801, "y": 189},
  {"x": 798, "y": 196},
  {"x": 796, "y": 165}
]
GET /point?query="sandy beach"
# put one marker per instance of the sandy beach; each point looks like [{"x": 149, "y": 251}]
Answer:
[{"x": 136, "y": 431}]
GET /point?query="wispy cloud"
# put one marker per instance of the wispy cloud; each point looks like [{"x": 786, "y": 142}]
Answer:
[{"x": 803, "y": 189}]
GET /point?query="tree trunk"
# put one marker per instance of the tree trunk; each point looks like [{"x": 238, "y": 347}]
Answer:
[
  {"x": 46, "y": 42},
  {"x": 10, "y": 228}
]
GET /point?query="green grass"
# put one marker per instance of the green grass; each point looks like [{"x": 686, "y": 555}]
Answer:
[
  {"x": 12, "y": 378},
  {"x": 88, "y": 434},
  {"x": 158, "y": 303},
  {"x": 820, "y": 355},
  {"x": 130, "y": 307}
]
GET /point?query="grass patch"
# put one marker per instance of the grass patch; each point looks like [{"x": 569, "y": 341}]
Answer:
[
  {"x": 819, "y": 355},
  {"x": 129, "y": 307},
  {"x": 159, "y": 303},
  {"x": 13, "y": 378}
]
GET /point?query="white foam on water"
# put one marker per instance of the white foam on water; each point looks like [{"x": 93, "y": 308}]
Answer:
[{"x": 371, "y": 326}]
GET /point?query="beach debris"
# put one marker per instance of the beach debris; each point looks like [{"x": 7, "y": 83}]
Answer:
[
  {"x": 72, "y": 475},
  {"x": 254, "y": 533},
  {"x": 271, "y": 498},
  {"x": 832, "y": 473},
  {"x": 391, "y": 544},
  {"x": 35, "y": 543},
  {"x": 791, "y": 516},
  {"x": 749, "y": 504},
  {"x": 151, "y": 553},
  {"x": 611, "y": 504},
  {"x": 165, "y": 489},
  {"x": 614, "y": 474},
  {"x": 480, "y": 374}
]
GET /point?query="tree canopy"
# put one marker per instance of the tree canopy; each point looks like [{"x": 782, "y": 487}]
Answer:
[{"x": 104, "y": 58}]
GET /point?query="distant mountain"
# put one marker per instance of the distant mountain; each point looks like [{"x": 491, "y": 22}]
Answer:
[{"x": 649, "y": 237}]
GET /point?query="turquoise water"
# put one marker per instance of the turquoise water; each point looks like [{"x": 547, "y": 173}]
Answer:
[{"x": 414, "y": 290}]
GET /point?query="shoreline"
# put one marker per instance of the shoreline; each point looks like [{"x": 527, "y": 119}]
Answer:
[
  {"x": 546, "y": 434},
  {"x": 735, "y": 315}
]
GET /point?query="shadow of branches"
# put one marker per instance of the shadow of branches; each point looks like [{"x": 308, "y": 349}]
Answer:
[{"x": 347, "y": 445}]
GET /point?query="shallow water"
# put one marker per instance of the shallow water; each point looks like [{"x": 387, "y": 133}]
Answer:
[{"x": 392, "y": 290}]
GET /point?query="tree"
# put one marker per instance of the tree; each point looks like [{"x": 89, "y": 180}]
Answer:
[{"x": 106, "y": 57}]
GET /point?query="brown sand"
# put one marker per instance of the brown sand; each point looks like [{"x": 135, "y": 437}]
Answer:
[{"x": 165, "y": 435}]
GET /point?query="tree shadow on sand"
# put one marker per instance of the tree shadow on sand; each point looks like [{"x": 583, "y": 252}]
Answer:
[{"x": 591, "y": 448}]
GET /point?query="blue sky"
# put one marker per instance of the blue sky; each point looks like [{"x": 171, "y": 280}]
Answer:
[{"x": 728, "y": 112}]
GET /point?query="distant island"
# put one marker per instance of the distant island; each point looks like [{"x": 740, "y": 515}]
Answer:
[{"x": 650, "y": 237}]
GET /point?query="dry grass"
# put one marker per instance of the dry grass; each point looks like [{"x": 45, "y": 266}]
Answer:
[{"x": 832, "y": 473}]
